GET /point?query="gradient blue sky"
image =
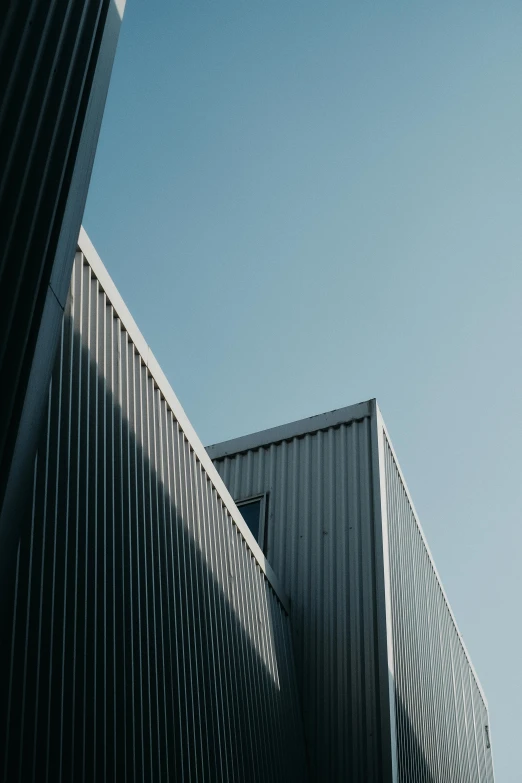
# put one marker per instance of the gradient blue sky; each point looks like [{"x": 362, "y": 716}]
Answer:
[{"x": 307, "y": 204}]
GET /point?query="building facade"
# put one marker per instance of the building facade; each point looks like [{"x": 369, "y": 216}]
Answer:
[
  {"x": 147, "y": 636},
  {"x": 387, "y": 689},
  {"x": 55, "y": 64}
]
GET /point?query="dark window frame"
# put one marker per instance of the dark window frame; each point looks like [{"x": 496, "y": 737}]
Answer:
[{"x": 263, "y": 515}]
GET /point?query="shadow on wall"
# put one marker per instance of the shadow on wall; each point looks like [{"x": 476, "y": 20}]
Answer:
[
  {"x": 413, "y": 765},
  {"x": 449, "y": 756},
  {"x": 146, "y": 644}
]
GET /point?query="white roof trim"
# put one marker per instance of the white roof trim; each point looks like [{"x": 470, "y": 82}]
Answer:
[
  {"x": 86, "y": 247},
  {"x": 288, "y": 431},
  {"x": 120, "y": 7}
]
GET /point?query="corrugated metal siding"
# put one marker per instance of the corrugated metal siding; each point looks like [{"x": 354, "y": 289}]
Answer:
[
  {"x": 47, "y": 61},
  {"x": 321, "y": 544},
  {"x": 55, "y": 64},
  {"x": 147, "y": 643},
  {"x": 441, "y": 715}
]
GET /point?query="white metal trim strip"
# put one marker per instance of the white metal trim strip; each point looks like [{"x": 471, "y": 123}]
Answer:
[{"x": 381, "y": 519}]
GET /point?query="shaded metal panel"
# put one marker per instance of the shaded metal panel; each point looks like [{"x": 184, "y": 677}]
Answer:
[
  {"x": 441, "y": 713},
  {"x": 321, "y": 542},
  {"x": 55, "y": 64},
  {"x": 147, "y": 640}
]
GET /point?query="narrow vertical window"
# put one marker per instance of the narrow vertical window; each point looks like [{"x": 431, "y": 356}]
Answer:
[{"x": 253, "y": 510}]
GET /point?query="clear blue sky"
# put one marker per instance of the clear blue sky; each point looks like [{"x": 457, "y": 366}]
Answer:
[{"x": 307, "y": 204}]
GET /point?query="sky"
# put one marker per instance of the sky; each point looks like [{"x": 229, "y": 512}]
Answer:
[{"x": 309, "y": 204}]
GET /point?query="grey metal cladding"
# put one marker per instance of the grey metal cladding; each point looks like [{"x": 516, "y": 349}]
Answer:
[
  {"x": 55, "y": 65},
  {"x": 44, "y": 58},
  {"x": 387, "y": 688},
  {"x": 147, "y": 640},
  {"x": 320, "y": 542},
  {"x": 441, "y": 714}
]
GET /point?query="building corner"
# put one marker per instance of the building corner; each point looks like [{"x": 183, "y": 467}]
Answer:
[{"x": 383, "y": 592}]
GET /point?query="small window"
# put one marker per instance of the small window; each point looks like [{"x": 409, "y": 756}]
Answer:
[{"x": 253, "y": 511}]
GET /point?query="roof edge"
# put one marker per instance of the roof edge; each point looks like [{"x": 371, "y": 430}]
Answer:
[
  {"x": 294, "y": 429},
  {"x": 88, "y": 250}
]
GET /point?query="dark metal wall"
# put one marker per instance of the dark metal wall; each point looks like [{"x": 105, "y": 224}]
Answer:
[
  {"x": 343, "y": 536},
  {"x": 441, "y": 715},
  {"x": 146, "y": 642},
  {"x": 55, "y": 63},
  {"x": 321, "y": 541}
]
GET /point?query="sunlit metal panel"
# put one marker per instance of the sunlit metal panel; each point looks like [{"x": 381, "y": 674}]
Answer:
[{"x": 442, "y": 719}]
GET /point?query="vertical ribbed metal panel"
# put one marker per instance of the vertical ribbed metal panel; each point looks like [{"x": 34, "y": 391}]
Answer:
[
  {"x": 441, "y": 715},
  {"x": 321, "y": 544},
  {"x": 47, "y": 60},
  {"x": 146, "y": 642},
  {"x": 55, "y": 64}
]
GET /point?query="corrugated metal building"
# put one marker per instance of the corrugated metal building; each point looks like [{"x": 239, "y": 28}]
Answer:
[
  {"x": 55, "y": 65},
  {"x": 149, "y": 638},
  {"x": 387, "y": 688}
]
